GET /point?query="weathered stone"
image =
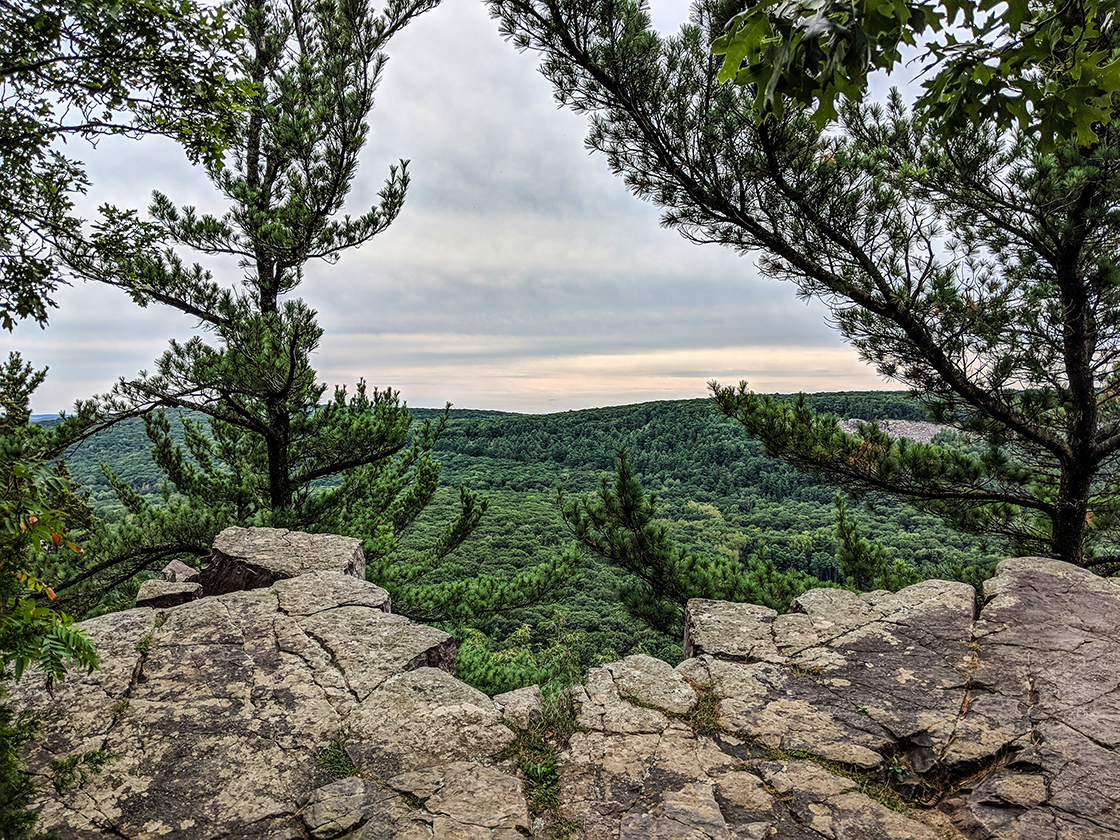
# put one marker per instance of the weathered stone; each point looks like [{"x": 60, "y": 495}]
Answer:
[
  {"x": 792, "y": 711},
  {"x": 318, "y": 591},
  {"x": 177, "y": 572},
  {"x": 335, "y": 808},
  {"x": 255, "y": 558},
  {"x": 159, "y": 594},
  {"x": 522, "y": 707},
  {"x": 832, "y": 806},
  {"x": 738, "y": 632},
  {"x": 218, "y": 709},
  {"x": 1041, "y": 707},
  {"x": 480, "y": 796},
  {"x": 651, "y": 682},
  {"x": 424, "y": 718}
]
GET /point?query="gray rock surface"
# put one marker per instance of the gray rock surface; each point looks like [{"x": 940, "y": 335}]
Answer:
[
  {"x": 159, "y": 593},
  {"x": 878, "y": 716},
  {"x": 218, "y": 709},
  {"x": 177, "y": 572},
  {"x": 254, "y": 558},
  {"x": 522, "y": 707},
  {"x": 998, "y": 727}
]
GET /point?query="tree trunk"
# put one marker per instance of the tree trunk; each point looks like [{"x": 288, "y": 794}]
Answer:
[
  {"x": 1071, "y": 519},
  {"x": 279, "y": 474}
]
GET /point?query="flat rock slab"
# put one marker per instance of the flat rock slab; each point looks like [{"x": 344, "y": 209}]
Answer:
[
  {"x": 1044, "y": 694},
  {"x": 217, "y": 711},
  {"x": 255, "y": 558},
  {"x": 159, "y": 593},
  {"x": 1002, "y": 726}
]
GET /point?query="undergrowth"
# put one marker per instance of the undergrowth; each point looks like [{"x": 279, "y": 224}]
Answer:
[{"x": 534, "y": 751}]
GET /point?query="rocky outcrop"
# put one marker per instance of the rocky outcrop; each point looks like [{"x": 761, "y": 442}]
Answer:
[
  {"x": 254, "y": 558},
  {"x": 810, "y": 724},
  {"x": 178, "y": 572},
  {"x": 876, "y": 716},
  {"x": 914, "y": 429},
  {"x": 219, "y": 711}
]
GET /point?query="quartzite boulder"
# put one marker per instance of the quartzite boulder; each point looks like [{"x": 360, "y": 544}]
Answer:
[
  {"x": 1002, "y": 727},
  {"x": 255, "y": 558},
  {"x": 217, "y": 711},
  {"x": 522, "y": 707},
  {"x": 177, "y": 572}
]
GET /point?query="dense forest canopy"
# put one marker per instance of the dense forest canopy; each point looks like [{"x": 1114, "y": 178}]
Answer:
[{"x": 720, "y": 494}]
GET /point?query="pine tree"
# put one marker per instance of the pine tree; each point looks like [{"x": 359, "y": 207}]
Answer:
[
  {"x": 73, "y": 68},
  {"x": 619, "y": 524},
  {"x": 979, "y": 270},
  {"x": 268, "y": 446}
]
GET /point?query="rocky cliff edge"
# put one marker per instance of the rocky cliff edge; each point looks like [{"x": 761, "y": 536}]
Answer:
[{"x": 852, "y": 717}]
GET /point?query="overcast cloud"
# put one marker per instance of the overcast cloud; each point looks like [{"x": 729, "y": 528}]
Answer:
[{"x": 521, "y": 275}]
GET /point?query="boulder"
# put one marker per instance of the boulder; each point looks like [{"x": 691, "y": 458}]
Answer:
[
  {"x": 158, "y": 593},
  {"x": 218, "y": 713},
  {"x": 997, "y": 727},
  {"x": 522, "y": 707},
  {"x": 177, "y": 572},
  {"x": 255, "y": 558}
]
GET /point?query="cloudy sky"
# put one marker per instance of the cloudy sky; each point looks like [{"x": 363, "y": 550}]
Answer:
[{"x": 520, "y": 276}]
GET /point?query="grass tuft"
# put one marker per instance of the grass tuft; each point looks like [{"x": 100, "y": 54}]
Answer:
[
  {"x": 334, "y": 758},
  {"x": 534, "y": 750}
]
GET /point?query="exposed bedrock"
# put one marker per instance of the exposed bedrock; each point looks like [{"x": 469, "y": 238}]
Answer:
[{"x": 853, "y": 717}]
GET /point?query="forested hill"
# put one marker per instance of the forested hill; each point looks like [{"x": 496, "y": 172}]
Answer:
[
  {"x": 671, "y": 443},
  {"x": 682, "y": 440},
  {"x": 718, "y": 491}
]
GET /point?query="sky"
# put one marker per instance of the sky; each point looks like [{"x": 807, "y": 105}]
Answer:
[{"x": 520, "y": 276}]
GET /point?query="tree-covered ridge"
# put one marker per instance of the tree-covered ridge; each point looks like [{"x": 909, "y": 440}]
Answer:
[{"x": 720, "y": 496}]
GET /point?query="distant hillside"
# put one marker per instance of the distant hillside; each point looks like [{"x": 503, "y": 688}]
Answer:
[{"x": 719, "y": 493}]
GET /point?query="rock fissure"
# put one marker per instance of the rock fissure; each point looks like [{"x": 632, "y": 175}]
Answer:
[{"x": 333, "y": 659}]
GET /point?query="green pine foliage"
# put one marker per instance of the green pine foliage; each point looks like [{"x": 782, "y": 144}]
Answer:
[
  {"x": 867, "y": 566},
  {"x": 17, "y": 786},
  {"x": 618, "y": 524},
  {"x": 976, "y": 267},
  {"x": 258, "y": 444},
  {"x": 518, "y": 661},
  {"x": 719, "y": 494}
]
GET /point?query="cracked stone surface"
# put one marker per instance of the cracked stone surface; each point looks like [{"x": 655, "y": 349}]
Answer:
[
  {"x": 1002, "y": 726},
  {"x": 217, "y": 710},
  {"x": 254, "y": 558},
  {"x": 997, "y": 726}
]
